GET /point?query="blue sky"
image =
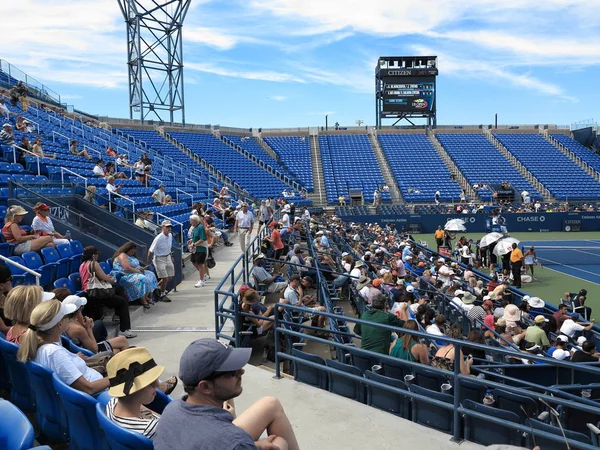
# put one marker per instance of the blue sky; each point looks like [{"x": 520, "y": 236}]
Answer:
[{"x": 287, "y": 63}]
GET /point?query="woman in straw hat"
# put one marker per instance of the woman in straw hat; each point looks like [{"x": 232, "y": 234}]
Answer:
[
  {"x": 133, "y": 376},
  {"x": 14, "y": 234}
]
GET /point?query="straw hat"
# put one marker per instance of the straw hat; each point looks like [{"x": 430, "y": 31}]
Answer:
[
  {"x": 362, "y": 282},
  {"x": 131, "y": 370}
]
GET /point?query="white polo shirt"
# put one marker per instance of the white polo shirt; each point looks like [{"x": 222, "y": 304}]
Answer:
[
  {"x": 570, "y": 327},
  {"x": 98, "y": 171},
  {"x": 244, "y": 219},
  {"x": 161, "y": 245}
]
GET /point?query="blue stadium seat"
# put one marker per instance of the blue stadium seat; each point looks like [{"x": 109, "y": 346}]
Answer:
[
  {"x": 48, "y": 271},
  {"x": 308, "y": 374},
  {"x": 15, "y": 428},
  {"x": 345, "y": 386},
  {"x": 19, "y": 275},
  {"x": 385, "y": 399},
  {"x": 76, "y": 281},
  {"x": 20, "y": 394},
  {"x": 65, "y": 283},
  {"x": 480, "y": 431},
  {"x": 430, "y": 414},
  {"x": 63, "y": 268},
  {"x": 119, "y": 438}
]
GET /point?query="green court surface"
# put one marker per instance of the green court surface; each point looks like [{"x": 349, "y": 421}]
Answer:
[{"x": 550, "y": 284}]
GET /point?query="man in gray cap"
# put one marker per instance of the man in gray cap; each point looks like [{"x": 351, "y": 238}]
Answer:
[{"x": 211, "y": 374}]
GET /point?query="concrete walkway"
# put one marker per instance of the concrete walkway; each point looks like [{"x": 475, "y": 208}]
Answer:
[{"x": 321, "y": 420}]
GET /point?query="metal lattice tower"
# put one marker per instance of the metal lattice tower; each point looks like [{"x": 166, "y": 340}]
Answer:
[{"x": 155, "y": 57}]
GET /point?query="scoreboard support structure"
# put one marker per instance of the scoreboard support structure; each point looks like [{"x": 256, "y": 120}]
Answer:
[{"x": 405, "y": 89}]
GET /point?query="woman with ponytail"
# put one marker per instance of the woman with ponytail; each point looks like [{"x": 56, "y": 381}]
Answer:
[{"x": 39, "y": 344}]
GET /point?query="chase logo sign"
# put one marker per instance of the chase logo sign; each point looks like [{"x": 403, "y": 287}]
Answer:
[{"x": 531, "y": 218}]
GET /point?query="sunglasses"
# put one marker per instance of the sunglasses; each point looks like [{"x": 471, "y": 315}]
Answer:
[{"x": 215, "y": 375}]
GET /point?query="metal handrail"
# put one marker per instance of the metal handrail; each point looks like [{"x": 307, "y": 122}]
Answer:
[
  {"x": 23, "y": 268},
  {"x": 173, "y": 221},
  {"x": 55, "y": 133},
  {"x": 90, "y": 149},
  {"x": 177, "y": 191},
  {"x": 62, "y": 176},
  {"x": 29, "y": 153}
]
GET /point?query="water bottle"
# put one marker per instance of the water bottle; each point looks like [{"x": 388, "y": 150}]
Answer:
[
  {"x": 488, "y": 400},
  {"x": 68, "y": 235}
]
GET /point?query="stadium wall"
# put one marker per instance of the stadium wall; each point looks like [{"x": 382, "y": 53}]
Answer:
[{"x": 428, "y": 223}]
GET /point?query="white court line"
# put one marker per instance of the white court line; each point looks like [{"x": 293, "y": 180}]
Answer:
[{"x": 574, "y": 276}]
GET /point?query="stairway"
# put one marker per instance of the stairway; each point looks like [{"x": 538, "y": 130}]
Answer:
[
  {"x": 276, "y": 173},
  {"x": 266, "y": 147},
  {"x": 384, "y": 167},
  {"x": 453, "y": 168},
  {"x": 319, "y": 196},
  {"x": 572, "y": 156},
  {"x": 548, "y": 197}
]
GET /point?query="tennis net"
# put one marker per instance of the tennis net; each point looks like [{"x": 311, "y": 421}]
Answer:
[{"x": 563, "y": 255}]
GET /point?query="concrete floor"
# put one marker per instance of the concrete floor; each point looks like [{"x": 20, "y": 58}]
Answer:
[{"x": 321, "y": 420}]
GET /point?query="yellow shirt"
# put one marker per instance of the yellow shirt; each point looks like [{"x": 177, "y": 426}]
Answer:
[
  {"x": 439, "y": 234},
  {"x": 516, "y": 255}
]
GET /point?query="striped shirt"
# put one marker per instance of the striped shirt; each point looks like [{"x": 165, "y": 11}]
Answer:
[{"x": 145, "y": 425}]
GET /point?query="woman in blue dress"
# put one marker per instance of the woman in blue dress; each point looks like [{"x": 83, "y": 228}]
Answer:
[{"x": 139, "y": 283}]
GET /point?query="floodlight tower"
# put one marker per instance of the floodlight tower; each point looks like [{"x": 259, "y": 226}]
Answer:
[{"x": 155, "y": 57}]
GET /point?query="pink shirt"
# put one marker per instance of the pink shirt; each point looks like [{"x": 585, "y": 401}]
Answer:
[{"x": 84, "y": 273}]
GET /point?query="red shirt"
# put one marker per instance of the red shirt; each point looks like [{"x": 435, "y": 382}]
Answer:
[{"x": 276, "y": 240}]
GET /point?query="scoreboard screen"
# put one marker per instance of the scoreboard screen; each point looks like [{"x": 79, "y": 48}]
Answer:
[{"x": 408, "y": 94}]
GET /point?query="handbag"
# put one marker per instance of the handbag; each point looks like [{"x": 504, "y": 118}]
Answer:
[
  {"x": 98, "y": 362},
  {"x": 98, "y": 289}
]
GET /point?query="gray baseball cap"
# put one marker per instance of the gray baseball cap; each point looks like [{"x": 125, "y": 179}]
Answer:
[{"x": 203, "y": 357}]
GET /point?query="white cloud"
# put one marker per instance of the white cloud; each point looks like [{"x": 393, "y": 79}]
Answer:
[
  {"x": 211, "y": 37},
  {"x": 279, "y": 98},
  {"x": 264, "y": 75}
]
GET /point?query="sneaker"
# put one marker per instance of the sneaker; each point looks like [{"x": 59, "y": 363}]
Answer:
[
  {"x": 128, "y": 334},
  {"x": 206, "y": 277},
  {"x": 200, "y": 283},
  {"x": 228, "y": 244},
  {"x": 165, "y": 299}
]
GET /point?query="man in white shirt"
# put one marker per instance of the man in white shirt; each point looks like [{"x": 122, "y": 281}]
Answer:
[
  {"x": 570, "y": 327},
  {"x": 98, "y": 170},
  {"x": 159, "y": 195},
  {"x": 285, "y": 220},
  {"x": 4, "y": 109},
  {"x": 160, "y": 255},
  {"x": 244, "y": 222}
]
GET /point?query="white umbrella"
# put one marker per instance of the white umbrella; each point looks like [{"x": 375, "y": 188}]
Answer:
[
  {"x": 454, "y": 226},
  {"x": 504, "y": 246},
  {"x": 459, "y": 221},
  {"x": 490, "y": 238}
]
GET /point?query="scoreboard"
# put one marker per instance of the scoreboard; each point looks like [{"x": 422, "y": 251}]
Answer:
[
  {"x": 410, "y": 94},
  {"x": 405, "y": 88}
]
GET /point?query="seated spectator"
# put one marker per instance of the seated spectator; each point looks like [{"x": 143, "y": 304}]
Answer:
[
  {"x": 39, "y": 343},
  {"x": 25, "y": 145},
  {"x": 99, "y": 169},
  {"x": 586, "y": 354},
  {"x": 7, "y": 135},
  {"x": 154, "y": 228},
  {"x": 444, "y": 357},
  {"x": 4, "y": 110},
  {"x": 377, "y": 339},
  {"x": 294, "y": 295},
  {"x": 111, "y": 152},
  {"x": 570, "y": 327},
  {"x": 169, "y": 200},
  {"x": 264, "y": 278},
  {"x": 79, "y": 329},
  {"x": 110, "y": 186},
  {"x": 560, "y": 315},
  {"x": 75, "y": 151},
  {"x": 39, "y": 151},
  {"x": 109, "y": 171},
  {"x": 211, "y": 374},
  {"x": 118, "y": 301},
  {"x": 437, "y": 328},
  {"x": 19, "y": 304},
  {"x": 43, "y": 226},
  {"x": 20, "y": 124},
  {"x": 141, "y": 220},
  {"x": 14, "y": 234},
  {"x": 560, "y": 352},
  {"x": 138, "y": 282},
  {"x": 159, "y": 195},
  {"x": 250, "y": 303},
  {"x": 122, "y": 160},
  {"x": 408, "y": 347},
  {"x": 90, "y": 194},
  {"x": 216, "y": 233}
]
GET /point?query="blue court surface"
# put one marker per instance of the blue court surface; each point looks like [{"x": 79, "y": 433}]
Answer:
[{"x": 577, "y": 258}]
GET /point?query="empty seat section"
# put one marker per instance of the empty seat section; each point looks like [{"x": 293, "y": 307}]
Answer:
[
  {"x": 349, "y": 163},
  {"x": 585, "y": 154},
  {"x": 561, "y": 176},
  {"x": 418, "y": 168},
  {"x": 294, "y": 154},
  {"x": 482, "y": 163}
]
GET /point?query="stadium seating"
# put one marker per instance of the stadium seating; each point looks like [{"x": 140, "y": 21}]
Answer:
[
  {"x": 561, "y": 176},
  {"x": 587, "y": 155},
  {"x": 481, "y": 163},
  {"x": 294, "y": 154},
  {"x": 349, "y": 163},
  {"x": 256, "y": 180},
  {"x": 16, "y": 430},
  {"x": 418, "y": 168}
]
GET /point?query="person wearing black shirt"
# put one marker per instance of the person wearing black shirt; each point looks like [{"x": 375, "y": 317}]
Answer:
[{"x": 586, "y": 354}]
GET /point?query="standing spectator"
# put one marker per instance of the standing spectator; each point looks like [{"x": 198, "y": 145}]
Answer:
[
  {"x": 198, "y": 246},
  {"x": 265, "y": 215},
  {"x": 4, "y": 109},
  {"x": 159, "y": 195},
  {"x": 437, "y": 196},
  {"x": 211, "y": 374},
  {"x": 43, "y": 226},
  {"x": 439, "y": 237},
  {"x": 90, "y": 194},
  {"x": 377, "y": 339},
  {"x": 140, "y": 175},
  {"x": 161, "y": 248},
  {"x": 244, "y": 221},
  {"x": 75, "y": 151},
  {"x": 516, "y": 262},
  {"x": 275, "y": 240},
  {"x": 14, "y": 234}
]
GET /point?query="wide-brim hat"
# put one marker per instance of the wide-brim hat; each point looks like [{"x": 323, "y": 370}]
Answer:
[
  {"x": 19, "y": 211},
  {"x": 468, "y": 298},
  {"x": 536, "y": 302},
  {"x": 511, "y": 313},
  {"x": 131, "y": 370},
  {"x": 362, "y": 282}
]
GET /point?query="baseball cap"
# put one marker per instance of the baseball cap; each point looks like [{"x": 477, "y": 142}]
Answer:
[
  {"x": 204, "y": 357},
  {"x": 75, "y": 300},
  {"x": 562, "y": 338},
  {"x": 540, "y": 319},
  {"x": 377, "y": 282},
  {"x": 581, "y": 340},
  {"x": 560, "y": 354},
  {"x": 410, "y": 288},
  {"x": 166, "y": 223},
  {"x": 42, "y": 207}
]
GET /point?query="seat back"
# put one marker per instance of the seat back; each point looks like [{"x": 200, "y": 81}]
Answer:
[
  {"x": 32, "y": 260},
  {"x": 484, "y": 432},
  {"x": 345, "y": 386},
  {"x": 76, "y": 248},
  {"x": 516, "y": 403},
  {"x": 119, "y": 438},
  {"x": 430, "y": 414},
  {"x": 84, "y": 431},
  {"x": 64, "y": 283},
  {"x": 385, "y": 399},
  {"x": 50, "y": 414},
  {"x": 15, "y": 428},
  {"x": 306, "y": 373},
  {"x": 471, "y": 391},
  {"x": 429, "y": 379},
  {"x": 20, "y": 394},
  {"x": 75, "y": 279},
  {"x": 72, "y": 347},
  {"x": 396, "y": 369},
  {"x": 50, "y": 255},
  {"x": 547, "y": 444},
  {"x": 64, "y": 250}
]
